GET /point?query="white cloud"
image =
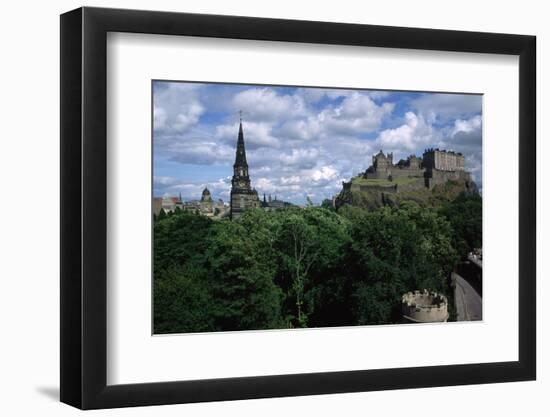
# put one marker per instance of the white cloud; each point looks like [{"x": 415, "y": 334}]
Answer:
[
  {"x": 300, "y": 157},
  {"x": 447, "y": 106},
  {"x": 466, "y": 137},
  {"x": 410, "y": 136},
  {"x": 265, "y": 104},
  {"x": 188, "y": 117},
  {"x": 177, "y": 108},
  {"x": 305, "y": 142},
  {"x": 266, "y": 185},
  {"x": 164, "y": 181},
  {"x": 257, "y": 134},
  {"x": 358, "y": 114},
  {"x": 378, "y": 95},
  {"x": 311, "y": 95},
  {"x": 467, "y": 126},
  {"x": 199, "y": 151},
  {"x": 314, "y": 95},
  {"x": 303, "y": 129},
  {"x": 159, "y": 115},
  {"x": 324, "y": 174}
]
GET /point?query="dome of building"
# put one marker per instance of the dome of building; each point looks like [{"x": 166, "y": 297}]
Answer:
[{"x": 206, "y": 196}]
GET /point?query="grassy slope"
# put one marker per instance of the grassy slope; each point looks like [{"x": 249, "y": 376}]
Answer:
[{"x": 376, "y": 198}]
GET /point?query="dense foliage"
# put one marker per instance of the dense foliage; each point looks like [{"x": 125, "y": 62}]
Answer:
[
  {"x": 465, "y": 216},
  {"x": 304, "y": 267}
]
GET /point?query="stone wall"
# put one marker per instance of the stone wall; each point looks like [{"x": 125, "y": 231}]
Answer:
[
  {"x": 394, "y": 172},
  {"x": 435, "y": 159},
  {"x": 407, "y": 172},
  {"x": 436, "y": 177},
  {"x": 424, "y": 307},
  {"x": 242, "y": 200},
  {"x": 376, "y": 175}
]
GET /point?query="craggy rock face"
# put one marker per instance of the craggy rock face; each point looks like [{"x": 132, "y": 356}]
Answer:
[
  {"x": 437, "y": 177},
  {"x": 361, "y": 193}
]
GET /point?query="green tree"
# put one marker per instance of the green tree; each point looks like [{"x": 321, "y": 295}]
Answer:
[
  {"x": 396, "y": 250},
  {"x": 179, "y": 239},
  {"x": 161, "y": 215},
  {"x": 182, "y": 302},
  {"x": 241, "y": 278},
  {"x": 181, "y": 296},
  {"x": 465, "y": 214},
  {"x": 308, "y": 241},
  {"x": 301, "y": 267}
]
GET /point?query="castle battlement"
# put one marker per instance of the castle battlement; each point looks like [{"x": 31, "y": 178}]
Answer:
[
  {"x": 424, "y": 307},
  {"x": 436, "y": 167}
]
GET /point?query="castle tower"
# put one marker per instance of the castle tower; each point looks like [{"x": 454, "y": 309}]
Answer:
[
  {"x": 243, "y": 196},
  {"x": 382, "y": 162}
]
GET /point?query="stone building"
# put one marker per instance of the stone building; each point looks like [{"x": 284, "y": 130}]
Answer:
[
  {"x": 382, "y": 167},
  {"x": 206, "y": 201},
  {"x": 157, "y": 205},
  {"x": 411, "y": 163},
  {"x": 424, "y": 307},
  {"x": 243, "y": 196},
  {"x": 206, "y": 206},
  {"x": 436, "y": 167},
  {"x": 206, "y": 196},
  {"x": 170, "y": 203},
  {"x": 382, "y": 162},
  {"x": 443, "y": 160},
  {"x": 270, "y": 204}
]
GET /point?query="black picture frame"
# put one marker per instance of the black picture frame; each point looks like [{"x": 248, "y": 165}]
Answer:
[{"x": 84, "y": 207}]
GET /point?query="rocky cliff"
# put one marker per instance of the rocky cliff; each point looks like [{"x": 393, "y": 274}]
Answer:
[{"x": 375, "y": 193}]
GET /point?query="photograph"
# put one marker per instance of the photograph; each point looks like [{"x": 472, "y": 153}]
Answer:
[
  {"x": 270, "y": 209},
  {"x": 287, "y": 207}
]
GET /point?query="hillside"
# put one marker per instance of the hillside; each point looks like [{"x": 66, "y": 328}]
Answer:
[{"x": 375, "y": 193}]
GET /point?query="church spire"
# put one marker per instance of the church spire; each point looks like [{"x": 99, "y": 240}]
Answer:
[
  {"x": 240, "y": 157},
  {"x": 243, "y": 196}
]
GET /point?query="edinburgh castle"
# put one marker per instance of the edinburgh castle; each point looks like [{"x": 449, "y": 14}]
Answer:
[
  {"x": 436, "y": 167},
  {"x": 438, "y": 175}
]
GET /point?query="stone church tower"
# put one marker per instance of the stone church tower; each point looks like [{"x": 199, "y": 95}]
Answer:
[{"x": 243, "y": 196}]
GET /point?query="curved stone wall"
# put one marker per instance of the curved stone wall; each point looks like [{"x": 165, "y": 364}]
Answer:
[{"x": 424, "y": 307}]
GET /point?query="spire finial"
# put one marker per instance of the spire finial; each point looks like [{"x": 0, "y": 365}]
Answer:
[{"x": 241, "y": 116}]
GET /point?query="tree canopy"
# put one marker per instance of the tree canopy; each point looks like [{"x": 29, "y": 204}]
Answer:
[{"x": 304, "y": 267}]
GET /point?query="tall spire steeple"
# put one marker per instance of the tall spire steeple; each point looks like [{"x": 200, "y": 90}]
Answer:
[
  {"x": 240, "y": 157},
  {"x": 243, "y": 196}
]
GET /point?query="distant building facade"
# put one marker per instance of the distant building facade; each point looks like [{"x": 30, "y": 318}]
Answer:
[
  {"x": 207, "y": 206},
  {"x": 157, "y": 205},
  {"x": 243, "y": 196},
  {"x": 169, "y": 203},
  {"x": 435, "y": 159},
  {"x": 436, "y": 167},
  {"x": 270, "y": 204}
]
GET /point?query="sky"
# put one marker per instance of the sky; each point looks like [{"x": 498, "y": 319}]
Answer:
[{"x": 300, "y": 142}]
